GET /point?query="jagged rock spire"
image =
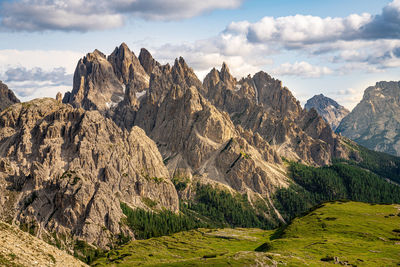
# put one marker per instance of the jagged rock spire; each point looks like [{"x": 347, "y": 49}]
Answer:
[
  {"x": 7, "y": 97},
  {"x": 147, "y": 61}
]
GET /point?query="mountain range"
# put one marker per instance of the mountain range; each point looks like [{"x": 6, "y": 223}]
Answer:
[{"x": 140, "y": 149}]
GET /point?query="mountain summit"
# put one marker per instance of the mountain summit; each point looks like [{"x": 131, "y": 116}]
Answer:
[
  {"x": 375, "y": 121},
  {"x": 328, "y": 109}
]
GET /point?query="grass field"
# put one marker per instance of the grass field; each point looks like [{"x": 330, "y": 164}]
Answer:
[{"x": 340, "y": 232}]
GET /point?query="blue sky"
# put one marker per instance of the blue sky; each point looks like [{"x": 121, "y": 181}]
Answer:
[{"x": 324, "y": 49}]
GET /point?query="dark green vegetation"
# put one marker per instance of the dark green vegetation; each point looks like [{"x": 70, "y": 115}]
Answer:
[
  {"x": 224, "y": 209},
  {"x": 382, "y": 164},
  {"x": 368, "y": 181},
  {"x": 342, "y": 232},
  {"x": 85, "y": 252},
  {"x": 211, "y": 208},
  {"x": 147, "y": 224}
]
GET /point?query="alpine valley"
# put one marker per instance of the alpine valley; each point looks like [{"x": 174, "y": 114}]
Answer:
[{"x": 140, "y": 150}]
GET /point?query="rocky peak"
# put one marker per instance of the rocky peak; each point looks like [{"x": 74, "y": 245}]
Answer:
[
  {"x": 211, "y": 79},
  {"x": 225, "y": 75},
  {"x": 328, "y": 109},
  {"x": 215, "y": 76},
  {"x": 59, "y": 97},
  {"x": 147, "y": 61},
  {"x": 7, "y": 97},
  {"x": 183, "y": 75},
  {"x": 271, "y": 94},
  {"x": 95, "y": 84},
  {"x": 128, "y": 69},
  {"x": 260, "y": 104},
  {"x": 79, "y": 166},
  {"x": 375, "y": 121},
  {"x": 381, "y": 90},
  {"x": 197, "y": 139}
]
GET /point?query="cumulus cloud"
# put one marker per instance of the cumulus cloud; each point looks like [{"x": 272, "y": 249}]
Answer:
[
  {"x": 36, "y": 82},
  {"x": 44, "y": 59},
  {"x": 299, "y": 30},
  {"x": 55, "y": 76},
  {"x": 349, "y": 97},
  {"x": 369, "y": 42},
  {"x": 38, "y": 15},
  {"x": 302, "y": 68},
  {"x": 171, "y": 9},
  {"x": 86, "y": 15}
]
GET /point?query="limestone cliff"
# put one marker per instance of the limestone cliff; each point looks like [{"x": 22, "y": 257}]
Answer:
[
  {"x": 65, "y": 171},
  {"x": 22, "y": 249},
  {"x": 7, "y": 97},
  {"x": 262, "y": 105},
  {"x": 375, "y": 121},
  {"x": 95, "y": 84},
  {"x": 100, "y": 83}
]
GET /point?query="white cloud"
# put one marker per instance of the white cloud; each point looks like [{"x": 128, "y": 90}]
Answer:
[
  {"x": 34, "y": 15},
  {"x": 349, "y": 97},
  {"x": 87, "y": 15},
  {"x": 302, "y": 68},
  {"x": 38, "y": 73},
  {"x": 28, "y": 90},
  {"x": 34, "y": 83},
  {"x": 47, "y": 60},
  {"x": 299, "y": 30}
]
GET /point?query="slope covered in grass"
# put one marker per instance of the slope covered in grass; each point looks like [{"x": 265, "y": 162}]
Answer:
[{"x": 340, "y": 232}]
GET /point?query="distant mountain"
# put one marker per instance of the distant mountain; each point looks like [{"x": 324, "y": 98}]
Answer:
[
  {"x": 7, "y": 97},
  {"x": 375, "y": 121},
  {"x": 328, "y": 109}
]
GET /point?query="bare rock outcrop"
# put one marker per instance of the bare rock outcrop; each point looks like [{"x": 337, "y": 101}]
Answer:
[
  {"x": 262, "y": 105},
  {"x": 147, "y": 61},
  {"x": 375, "y": 121},
  {"x": 328, "y": 109},
  {"x": 128, "y": 69},
  {"x": 22, "y": 249},
  {"x": 101, "y": 83},
  {"x": 65, "y": 171},
  {"x": 7, "y": 97},
  {"x": 95, "y": 87},
  {"x": 198, "y": 140}
]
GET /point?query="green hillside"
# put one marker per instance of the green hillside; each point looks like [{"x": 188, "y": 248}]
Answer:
[{"x": 340, "y": 232}]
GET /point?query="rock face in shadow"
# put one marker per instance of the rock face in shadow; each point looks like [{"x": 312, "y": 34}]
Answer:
[
  {"x": 375, "y": 121},
  {"x": 66, "y": 170},
  {"x": 328, "y": 109},
  {"x": 7, "y": 97},
  {"x": 147, "y": 61}
]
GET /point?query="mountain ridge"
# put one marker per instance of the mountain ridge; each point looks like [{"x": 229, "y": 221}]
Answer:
[
  {"x": 135, "y": 135},
  {"x": 374, "y": 122}
]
